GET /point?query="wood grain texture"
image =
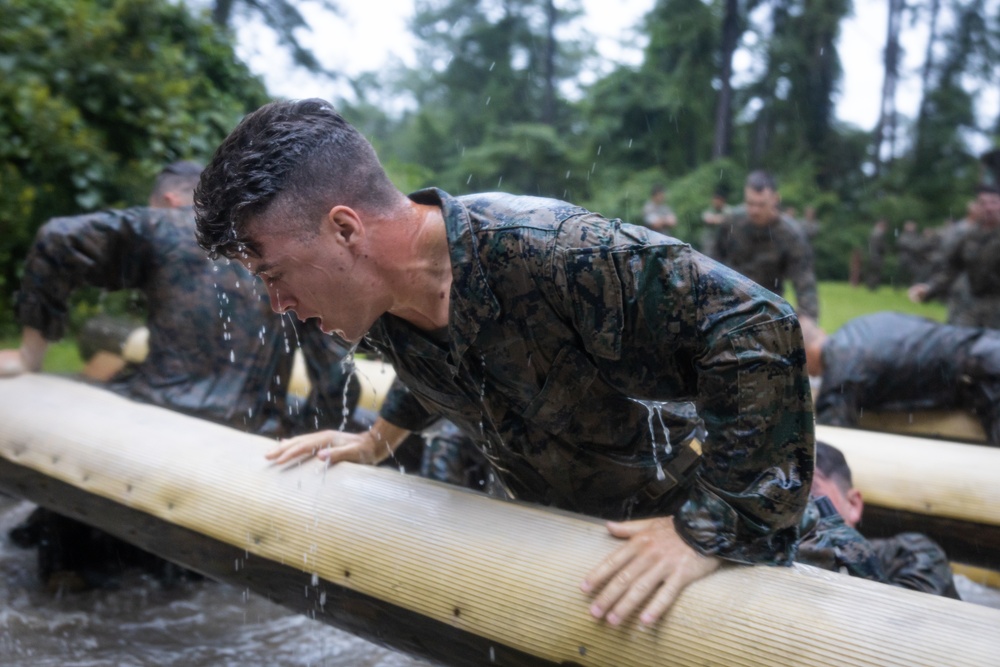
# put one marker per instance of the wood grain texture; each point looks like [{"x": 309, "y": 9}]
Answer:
[
  {"x": 511, "y": 571},
  {"x": 944, "y": 424}
]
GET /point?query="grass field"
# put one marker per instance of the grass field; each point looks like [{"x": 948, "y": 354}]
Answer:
[{"x": 838, "y": 303}]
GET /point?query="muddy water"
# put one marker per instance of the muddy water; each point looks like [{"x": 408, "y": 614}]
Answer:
[{"x": 194, "y": 624}]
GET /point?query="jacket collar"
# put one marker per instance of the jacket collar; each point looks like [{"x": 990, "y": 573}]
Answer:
[{"x": 471, "y": 301}]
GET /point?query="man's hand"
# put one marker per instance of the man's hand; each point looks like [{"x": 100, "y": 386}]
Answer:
[
  {"x": 373, "y": 446},
  {"x": 27, "y": 358},
  {"x": 918, "y": 292},
  {"x": 332, "y": 447},
  {"x": 654, "y": 562},
  {"x": 12, "y": 363}
]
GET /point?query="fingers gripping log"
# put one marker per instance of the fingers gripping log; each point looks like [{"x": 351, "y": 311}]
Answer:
[{"x": 500, "y": 579}]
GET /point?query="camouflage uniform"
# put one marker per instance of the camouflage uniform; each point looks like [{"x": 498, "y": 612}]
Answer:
[
  {"x": 914, "y": 257},
  {"x": 897, "y": 362},
  {"x": 876, "y": 258},
  {"x": 916, "y": 562},
  {"x": 565, "y": 330},
  {"x": 831, "y": 544},
  {"x": 216, "y": 351},
  {"x": 973, "y": 257},
  {"x": 770, "y": 255}
]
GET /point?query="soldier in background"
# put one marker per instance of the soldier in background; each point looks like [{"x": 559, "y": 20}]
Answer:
[
  {"x": 909, "y": 560},
  {"x": 656, "y": 214},
  {"x": 969, "y": 273},
  {"x": 877, "y": 250},
  {"x": 713, "y": 217},
  {"x": 216, "y": 351},
  {"x": 897, "y": 362},
  {"x": 914, "y": 252},
  {"x": 810, "y": 223},
  {"x": 768, "y": 247}
]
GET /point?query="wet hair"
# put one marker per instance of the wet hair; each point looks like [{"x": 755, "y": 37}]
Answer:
[
  {"x": 298, "y": 157},
  {"x": 830, "y": 463},
  {"x": 760, "y": 180},
  {"x": 178, "y": 177}
]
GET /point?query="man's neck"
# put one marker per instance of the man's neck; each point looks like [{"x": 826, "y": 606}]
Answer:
[{"x": 422, "y": 268}]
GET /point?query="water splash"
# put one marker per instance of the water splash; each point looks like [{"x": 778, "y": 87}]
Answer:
[{"x": 656, "y": 408}]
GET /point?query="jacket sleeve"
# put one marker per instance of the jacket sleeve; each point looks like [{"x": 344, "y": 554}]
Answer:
[
  {"x": 803, "y": 276},
  {"x": 401, "y": 408},
  {"x": 110, "y": 249},
  {"x": 736, "y": 350},
  {"x": 757, "y": 462}
]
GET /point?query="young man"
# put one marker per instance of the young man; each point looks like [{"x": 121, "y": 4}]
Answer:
[
  {"x": 910, "y": 560},
  {"x": 968, "y": 274},
  {"x": 767, "y": 246},
  {"x": 547, "y": 333}
]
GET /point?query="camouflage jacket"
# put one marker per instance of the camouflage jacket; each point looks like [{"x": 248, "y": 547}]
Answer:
[
  {"x": 770, "y": 255},
  {"x": 572, "y": 338},
  {"x": 216, "y": 350},
  {"x": 830, "y": 544},
  {"x": 896, "y": 362},
  {"x": 914, "y": 561},
  {"x": 972, "y": 256}
]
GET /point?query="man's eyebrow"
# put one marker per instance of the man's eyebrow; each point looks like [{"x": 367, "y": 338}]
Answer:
[{"x": 263, "y": 267}]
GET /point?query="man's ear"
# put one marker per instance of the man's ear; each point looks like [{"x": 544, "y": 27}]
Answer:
[
  {"x": 856, "y": 506},
  {"x": 346, "y": 224}
]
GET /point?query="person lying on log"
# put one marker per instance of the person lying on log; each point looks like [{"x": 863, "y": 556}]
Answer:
[
  {"x": 897, "y": 362},
  {"x": 910, "y": 560},
  {"x": 547, "y": 333},
  {"x": 216, "y": 351}
]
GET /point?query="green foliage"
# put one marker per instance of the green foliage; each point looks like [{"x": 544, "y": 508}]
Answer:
[{"x": 95, "y": 97}]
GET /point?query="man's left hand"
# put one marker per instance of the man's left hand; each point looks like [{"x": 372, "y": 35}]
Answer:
[{"x": 655, "y": 562}]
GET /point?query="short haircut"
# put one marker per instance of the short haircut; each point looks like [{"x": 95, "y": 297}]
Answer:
[
  {"x": 984, "y": 189},
  {"x": 179, "y": 177},
  {"x": 301, "y": 156},
  {"x": 760, "y": 180},
  {"x": 657, "y": 189},
  {"x": 830, "y": 463}
]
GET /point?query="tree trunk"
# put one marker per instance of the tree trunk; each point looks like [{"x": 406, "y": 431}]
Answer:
[
  {"x": 885, "y": 130},
  {"x": 549, "y": 99},
  {"x": 722, "y": 144},
  {"x": 222, "y": 11}
]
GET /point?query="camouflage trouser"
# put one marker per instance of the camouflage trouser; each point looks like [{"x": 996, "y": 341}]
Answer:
[{"x": 829, "y": 543}]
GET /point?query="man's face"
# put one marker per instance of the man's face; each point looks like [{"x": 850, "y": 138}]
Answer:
[
  {"x": 988, "y": 208},
  {"x": 761, "y": 206},
  {"x": 318, "y": 276},
  {"x": 848, "y": 504}
]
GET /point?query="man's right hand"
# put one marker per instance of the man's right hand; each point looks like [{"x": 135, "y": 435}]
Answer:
[
  {"x": 372, "y": 446},
  {"x": 330, "y": 446}
]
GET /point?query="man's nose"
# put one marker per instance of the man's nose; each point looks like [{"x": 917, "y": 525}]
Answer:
[{"x": 280, "y": 303}]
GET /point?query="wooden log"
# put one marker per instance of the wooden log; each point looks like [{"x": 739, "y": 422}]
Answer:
[
  {"x": 955, "y": 425},
  {"x": 946, "y": 490},
  {"x": 501, "y": 578}
]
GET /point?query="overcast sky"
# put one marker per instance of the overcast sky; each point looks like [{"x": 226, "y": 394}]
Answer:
[{"x": 372, "y": 33}]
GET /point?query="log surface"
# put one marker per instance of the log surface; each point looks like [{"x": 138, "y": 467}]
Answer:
[{"x": 504, "y": 573}]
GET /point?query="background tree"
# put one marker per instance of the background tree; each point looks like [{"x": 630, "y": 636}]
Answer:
[
  {"x": 95, "y": 97},
  {"x": 281, "y": 16}
]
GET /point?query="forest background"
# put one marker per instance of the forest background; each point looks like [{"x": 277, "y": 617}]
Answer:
[{"x": 97, "y": 95}]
